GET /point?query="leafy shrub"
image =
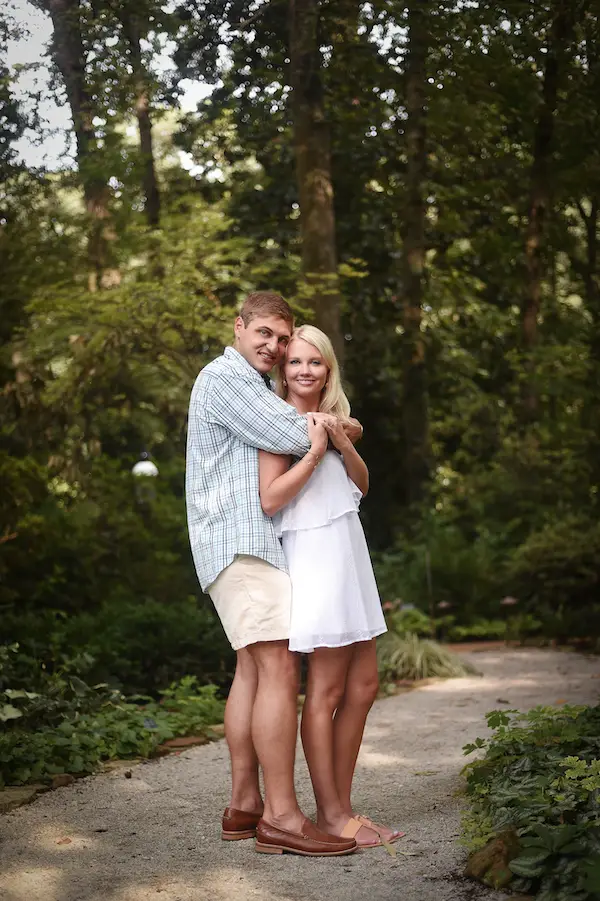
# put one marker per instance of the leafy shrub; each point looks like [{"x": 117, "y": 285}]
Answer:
[
  {"x": 93, "y": 540},
  {"x": 33, "y": 697},
  {"x": 443, "y": 565},
  {"x": 515, "y": 628},
  {"x": 412, "y": 621},
  {"x": 540, "y": 776},
  {"x": 556, "y": 570},
  {"x": 136, "y": 646},
  {"x": 410, "y": 657},
  {"x": 118, "y": 728},
  {"x": 142, "y": 646},
  {"x": 479, "y": 630}
]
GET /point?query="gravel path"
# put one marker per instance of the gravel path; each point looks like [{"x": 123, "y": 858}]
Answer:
[{"x": 156, "y": 835}]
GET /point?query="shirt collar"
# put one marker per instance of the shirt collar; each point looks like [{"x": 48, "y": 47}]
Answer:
[{"x": 234, "y": 356}]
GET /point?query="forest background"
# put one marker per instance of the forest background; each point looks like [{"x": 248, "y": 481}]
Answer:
[{"x": 421, "y": 180}]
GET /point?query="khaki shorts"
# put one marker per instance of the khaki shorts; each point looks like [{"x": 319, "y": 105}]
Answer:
[{"x": 253, "y": 600}]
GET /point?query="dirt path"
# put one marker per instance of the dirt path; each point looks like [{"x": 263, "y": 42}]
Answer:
[{"x": 156, "y": 835}]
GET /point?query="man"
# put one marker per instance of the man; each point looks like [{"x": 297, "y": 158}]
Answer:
[{"x": 240, "y": 564}]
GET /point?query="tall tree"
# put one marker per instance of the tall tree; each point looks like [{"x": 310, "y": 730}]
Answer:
[
  {"x": 69, "y": 54},
  {"x": 415, "y": 402},
  {"x": 135, "y": 26},
  {"x": 313, "y": 168},
  {"x": 540, "y": 200}
]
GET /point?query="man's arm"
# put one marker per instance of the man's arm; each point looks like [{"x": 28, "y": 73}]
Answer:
[
  {"x": 353, "y": 429},
  {"x": 257, "y": 416}
]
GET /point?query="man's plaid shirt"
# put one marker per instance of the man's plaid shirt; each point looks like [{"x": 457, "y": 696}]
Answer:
[{"x": 232, "y": 414}]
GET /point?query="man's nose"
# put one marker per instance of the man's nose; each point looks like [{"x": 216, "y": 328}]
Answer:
[{"x": 272, "y": 345}]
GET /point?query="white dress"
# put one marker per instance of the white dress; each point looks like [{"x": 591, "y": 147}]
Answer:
[{"x": 335, "y": 601}]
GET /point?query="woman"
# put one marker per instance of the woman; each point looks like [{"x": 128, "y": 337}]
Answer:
[{"x": 336, "y": 611}]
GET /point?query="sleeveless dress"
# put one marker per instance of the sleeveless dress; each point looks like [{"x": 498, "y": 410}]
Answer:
[{"x": 335, "y": 601}]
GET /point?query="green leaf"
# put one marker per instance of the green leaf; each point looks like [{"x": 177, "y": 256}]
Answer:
[
  {"x": 19, "y": 693},
  {"x": 9, "y": 712},
  {"x": 525, "y": 866}
]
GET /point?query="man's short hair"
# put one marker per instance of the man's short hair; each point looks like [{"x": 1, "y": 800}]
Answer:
[{"x": 266, "y": 303}]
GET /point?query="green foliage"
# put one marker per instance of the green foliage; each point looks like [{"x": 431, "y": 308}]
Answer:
[
  {"x": 134, "y": 646},
  {"x": 410, "y": 621},
  {"x": 556, "y": 571},
  {"x": 142, "y": 646},
  {"x": 540, "y": 775},
  {"x": 516, "y": 627},
  {"x": 410, "y": 657},
  {"x": 69, "y": 726},
  {"x": 32, "y": 696},
  {"x": 460, "y": 570},
  {"x": 96, "y": 581}
]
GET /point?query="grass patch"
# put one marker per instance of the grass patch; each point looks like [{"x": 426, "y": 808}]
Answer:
[{"x": 410, "y": 657}]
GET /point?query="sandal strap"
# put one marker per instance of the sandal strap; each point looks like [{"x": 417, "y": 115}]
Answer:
[
  {"x": 368, "y": 822},
  {"x": 351, "y": 828}
]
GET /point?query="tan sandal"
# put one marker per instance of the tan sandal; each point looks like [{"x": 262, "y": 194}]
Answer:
[
  {"x": 376, "y": 827},
  {"x": 353, "y": 827}
]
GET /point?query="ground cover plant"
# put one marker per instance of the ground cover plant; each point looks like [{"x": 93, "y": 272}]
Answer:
[
  {"x": 68, "y": 726},
  {"x": 534, "y": 803}
]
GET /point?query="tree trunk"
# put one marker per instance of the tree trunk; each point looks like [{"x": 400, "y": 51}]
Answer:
[
  {"x": 131, "y": 28},
  {"x": 415, "y": 412},
  {"x": 591, "y": 281},
  {"x": 540, "y": 194},
  {"x": 69, "y": 55},
  {"x": 313, "y": 170}
]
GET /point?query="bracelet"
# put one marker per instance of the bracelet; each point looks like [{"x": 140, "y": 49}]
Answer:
[{"x": 312, "y": 454}]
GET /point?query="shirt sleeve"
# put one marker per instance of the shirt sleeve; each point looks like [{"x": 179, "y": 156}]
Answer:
[{"x": 257, "y": 416}]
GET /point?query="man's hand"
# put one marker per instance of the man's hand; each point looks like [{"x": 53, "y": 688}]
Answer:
[
  {"x": 325, "y": 419},
  {"x": 353, "y": 429}
]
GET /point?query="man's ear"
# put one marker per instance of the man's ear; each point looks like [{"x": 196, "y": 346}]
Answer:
[{"x": 238, "y": 326}]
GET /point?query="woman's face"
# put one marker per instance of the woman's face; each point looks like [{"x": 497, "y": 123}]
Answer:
[{"x": 304, "y": 370}]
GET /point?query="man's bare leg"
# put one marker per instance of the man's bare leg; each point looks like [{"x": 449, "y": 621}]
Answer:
[
  {"x": 274, "y": 730},
  {"x": 245, "y": 791}
]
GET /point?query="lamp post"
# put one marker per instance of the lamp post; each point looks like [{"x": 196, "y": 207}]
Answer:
[{"x": 144, "y": 472}]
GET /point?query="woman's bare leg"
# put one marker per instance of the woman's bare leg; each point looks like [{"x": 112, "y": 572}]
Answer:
[
  {"x": 327, "y": 669},
  {"x": 362, "y": 683}
]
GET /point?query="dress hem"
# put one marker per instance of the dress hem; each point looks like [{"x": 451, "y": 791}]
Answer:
[{"x": 341, "y": 644}]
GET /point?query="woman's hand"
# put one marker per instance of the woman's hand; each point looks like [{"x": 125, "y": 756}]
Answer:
[
  {"x": 338, "y": 436},
  {"x": 317, "y": 435},
  {"x": 324, "y": 418}
]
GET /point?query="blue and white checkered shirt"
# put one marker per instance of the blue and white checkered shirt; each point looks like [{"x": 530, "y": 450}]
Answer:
[{"x": 232, "y": 414}]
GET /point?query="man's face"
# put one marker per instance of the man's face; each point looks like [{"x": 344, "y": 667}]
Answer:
[{"x": 263, "y": 341}]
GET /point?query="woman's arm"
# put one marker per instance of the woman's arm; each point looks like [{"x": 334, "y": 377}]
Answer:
[
  {"x": 355, "y": 465},
  {"x": 278, "y": 484}
]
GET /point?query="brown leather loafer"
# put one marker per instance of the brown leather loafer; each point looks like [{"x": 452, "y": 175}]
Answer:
[
  {"x": 238, "y": 824},
  {"x": 310, "y": 842}
]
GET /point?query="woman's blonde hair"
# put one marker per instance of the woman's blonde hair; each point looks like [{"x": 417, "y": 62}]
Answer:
[{"x": 333, "y": 398}]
